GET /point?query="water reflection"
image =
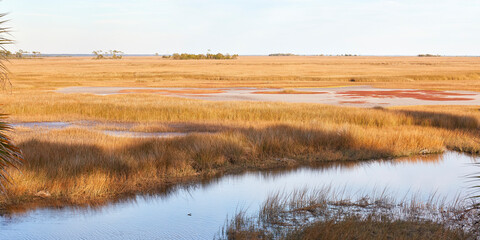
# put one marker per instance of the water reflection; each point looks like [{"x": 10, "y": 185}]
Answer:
[
  {"x": 337, "y": 167},
  {"x": 165, "y": 214}
]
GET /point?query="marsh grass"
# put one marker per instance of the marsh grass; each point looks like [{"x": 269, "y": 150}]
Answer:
[
  {"x": 326, "y": 214},
  {"x": 81, "y": 165},
  {"x": 78, "y": 165},
  {"x": 452, "y": 73},
  {"x": 476, "y": 185}
]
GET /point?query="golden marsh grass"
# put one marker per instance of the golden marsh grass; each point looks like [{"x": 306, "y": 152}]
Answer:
[
  {"x": 78, "y": 165},
  {"x": 438, "y": 73}
]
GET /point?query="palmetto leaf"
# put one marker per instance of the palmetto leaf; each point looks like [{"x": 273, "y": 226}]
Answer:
[{"x": 10, "y": 155}]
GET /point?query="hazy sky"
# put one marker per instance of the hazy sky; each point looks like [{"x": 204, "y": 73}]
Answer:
[{"x": 376, "y": 27}]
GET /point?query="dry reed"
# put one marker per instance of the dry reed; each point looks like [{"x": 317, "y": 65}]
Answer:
[{"x": 325, "y": 214}]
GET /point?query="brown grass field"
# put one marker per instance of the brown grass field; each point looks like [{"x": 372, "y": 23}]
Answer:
[
  {"x": 78, "y": 166},
  {"x": 435, "y": 73}
]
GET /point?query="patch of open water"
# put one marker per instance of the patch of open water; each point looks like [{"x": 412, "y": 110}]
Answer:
[
  {"x": 166, "y": 216},
  {"x": 90, "y": 125},
  {"x": 51, "y": 125}
]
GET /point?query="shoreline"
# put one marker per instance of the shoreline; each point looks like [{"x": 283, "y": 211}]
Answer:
[{"x": 29, "y": 203}]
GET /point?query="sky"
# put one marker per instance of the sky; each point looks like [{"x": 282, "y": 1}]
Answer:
[{"x": 246, "y": 27}]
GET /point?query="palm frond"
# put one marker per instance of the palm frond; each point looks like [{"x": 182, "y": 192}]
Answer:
[
  {"x": 4, "y": 40},
  {"x": 10, "y": 155}
]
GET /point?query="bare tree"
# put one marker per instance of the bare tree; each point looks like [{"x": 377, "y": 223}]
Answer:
[
  {"x": 98, "y": 54},
  {"x": 19, "y": 53},
  {"x": 116, "y": 54},
  {"x": 111, "y": 54},
  {"x": 36, "y": 54}
]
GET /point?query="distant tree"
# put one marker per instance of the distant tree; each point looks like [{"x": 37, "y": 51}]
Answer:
[
  {"x": 98, "y": 54},
  {"x": 187, "y": 56},
  {"x": 116, "y": 54},
  {"x": 20, "y": 53},
  {"x": 112, "y": 54},
  {"x": 176, "y": 56},
  {"x": 429, "y": 55},
  {"x": 5, "y": 53},
  {"x": 281, "y": 54},
  {"x": 35, "y": 54},
  {"x": 10, "y": 155}
]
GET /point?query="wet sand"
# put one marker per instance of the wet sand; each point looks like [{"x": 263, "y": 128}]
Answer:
[{"x": 359, "y": 96}]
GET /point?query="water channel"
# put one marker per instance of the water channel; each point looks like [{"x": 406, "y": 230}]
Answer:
[{"x": 199, "y": 211}]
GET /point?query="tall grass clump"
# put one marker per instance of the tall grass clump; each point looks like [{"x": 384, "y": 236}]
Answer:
[{"x": 326, "y": 214}]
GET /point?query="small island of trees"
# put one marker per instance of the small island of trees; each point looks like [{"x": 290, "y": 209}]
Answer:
[
  {"x": 111, "y": 54},
  {"x": 19, "y": 54},
  {"x": 429, "y": 55},
  {"x": 188, "y": 56},
  {"x": 281, "y": 54}
]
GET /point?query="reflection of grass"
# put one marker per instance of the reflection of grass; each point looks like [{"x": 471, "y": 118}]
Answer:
[{"x": 324, "y": 214}]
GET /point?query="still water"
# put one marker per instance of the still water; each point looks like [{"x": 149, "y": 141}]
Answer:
[{"x": 166, "y": 216}]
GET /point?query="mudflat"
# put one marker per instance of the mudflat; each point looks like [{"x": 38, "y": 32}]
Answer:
[{"x": 360, "y": 96}]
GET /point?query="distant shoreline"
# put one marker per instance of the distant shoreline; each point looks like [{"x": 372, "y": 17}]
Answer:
[{"x": 248, "y": 55}]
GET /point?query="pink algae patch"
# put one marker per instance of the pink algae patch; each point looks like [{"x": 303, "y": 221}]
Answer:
[
  {"x": 429, "y": 95},
  {"x": 287, "y": 92},
  {"x": 164, "y": 91},
  {"x": 352, "y": 102},
  {"x": 196, "y": 95}
]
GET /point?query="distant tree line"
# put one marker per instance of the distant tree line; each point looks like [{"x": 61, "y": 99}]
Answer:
[
  {"x": 321, "y": 55},
  {"x": 187, "y": 56},
  {"x": 281, "y": 54},
  {"x": 110, "y": 54},
  {"x": 19, "y": 54},
  {"x": 429, "y": 55}
]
